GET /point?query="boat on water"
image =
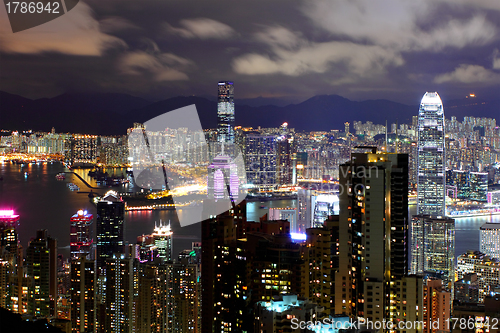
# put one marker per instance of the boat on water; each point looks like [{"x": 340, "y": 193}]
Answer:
[{"x": 73, "y": 187}]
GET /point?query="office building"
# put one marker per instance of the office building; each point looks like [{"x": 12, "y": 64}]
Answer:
[
  {"x": 162, "y": 237},
  {"x": 110, "y": 227},
  {"x": 81, "y": 235},
  {"x": 261, "y": 159},
  {"x": 373, "y": 234},
  {"x": 285, "y": 168},
  {"x": 460, "y": 180},
  {"x": 433, "y": 247},
  {"x": 479, "y": 186},
  {"x": 41, "y": 262},
  {"x": 82, "y": 295},
  {"x": 489, "y": 239},
  {"x": 431, "y": 157},
  {"x": 225, "y": 112},
  {"x": 223, "y": 180}
]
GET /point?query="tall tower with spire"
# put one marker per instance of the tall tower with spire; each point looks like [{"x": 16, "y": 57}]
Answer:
[{"x": 431, "y": 176}]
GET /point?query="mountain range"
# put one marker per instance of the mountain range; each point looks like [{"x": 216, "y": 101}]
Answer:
[{"x": 113, "y": 113}]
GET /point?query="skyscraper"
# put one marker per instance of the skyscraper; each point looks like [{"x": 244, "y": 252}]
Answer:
[
  {"x": 81, "y": 238},
  {"x": 110, "y": 224},
  {"x": 222, "y": 170},
  {"x": 373, "y": 235},
  {"x": 431, "y": 156},
  {"x": 261, "y": 159},
  {"x": 433, "y": 247},
  {"x": 225, "y": 112},
  {"x": 162, "y": 236},
  {"x": 119, "y": 294},
  {"x": 11, "y": 262}
]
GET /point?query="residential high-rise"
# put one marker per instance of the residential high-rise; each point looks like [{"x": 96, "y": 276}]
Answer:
[
  {"x": 489, "y": 239},
  {"x": 82, "y": 295},
  {"x": 433, "y": 247},
  {"x": 225, "y": 112},
  {"x": 218, "y": 278},
  {"x": 373, "y": 235},
  {"x": 119, "y": 294},
  {"x": 242, "y": 267},
  {"x": 41, "y": 260},
  {"x": 321, "y": 252},
  {"x": 185, "y": 296},
  {"x": 110, "y": 227},
  {"x": 437, "y": 306},
  {"x": 81, "y": 150},
  {"x": 431, "y": 157},
  {"x": 487, "y": 270},
  {"x": 81, "y": 235},
  {"x": 152, "y": 303}
]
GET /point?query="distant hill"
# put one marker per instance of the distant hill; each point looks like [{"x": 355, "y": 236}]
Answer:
[{"x": 114, "y": 113}]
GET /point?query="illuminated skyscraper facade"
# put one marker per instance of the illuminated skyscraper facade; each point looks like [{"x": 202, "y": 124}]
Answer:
[
  {"x": 11, "y": 262},
  {"x": 110, "y": 225},
  {"x": 431, "y": 156},
  {"x": 225, "y": 112},
  {"x": 162, "y": 236},
  {"x": 261, "y": 159},
  {"x": 222, "y": 170},
  {"x": 81, "y": 238},
  {"x": 433, "y": 247}
]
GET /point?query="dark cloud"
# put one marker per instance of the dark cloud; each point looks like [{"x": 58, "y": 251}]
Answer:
[{"x": 392, "y": 49}]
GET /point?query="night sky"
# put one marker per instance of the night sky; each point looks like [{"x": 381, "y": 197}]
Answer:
[{"x": 286, "y": 49}]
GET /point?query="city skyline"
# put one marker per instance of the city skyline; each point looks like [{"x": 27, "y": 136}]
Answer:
[{"x": 283, "y": 166}]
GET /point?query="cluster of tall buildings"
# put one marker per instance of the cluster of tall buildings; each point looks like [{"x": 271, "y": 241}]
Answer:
[
  {"x": 105, "y": 286},
  {"x": 350, "y": 249}
]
